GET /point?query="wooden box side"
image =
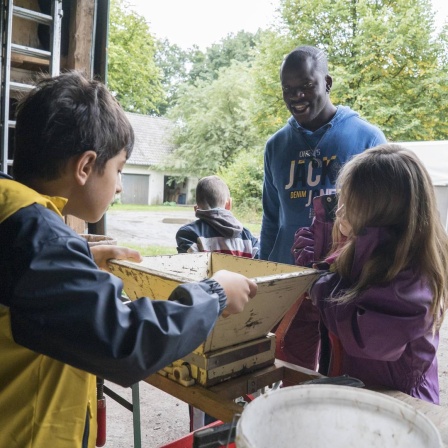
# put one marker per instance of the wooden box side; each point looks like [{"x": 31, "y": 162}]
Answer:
[
  {"x": 156, "y": 278},
  {"x": 192, "y": 267},
  {"x": 250, "y": 267},
  {"x": 276, "y": 294}
]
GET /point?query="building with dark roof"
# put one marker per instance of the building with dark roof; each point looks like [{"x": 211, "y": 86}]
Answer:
[{"x": 144, "y": 181}]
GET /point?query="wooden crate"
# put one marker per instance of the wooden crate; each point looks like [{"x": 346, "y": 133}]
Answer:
[{"x": 243, "y": 339}]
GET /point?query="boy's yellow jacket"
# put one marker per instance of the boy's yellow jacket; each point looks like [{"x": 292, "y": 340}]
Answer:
[{"x": 61, "y": 317}]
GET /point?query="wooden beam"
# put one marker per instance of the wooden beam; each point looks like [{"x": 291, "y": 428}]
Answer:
[
  {"x": 82, "y": 19},
  {"x": 221, "y": 408}
]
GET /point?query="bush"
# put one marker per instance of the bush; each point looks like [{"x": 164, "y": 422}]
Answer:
[
  {"x": 244, "y": 178},
  {"x": 250, "y": 211}
]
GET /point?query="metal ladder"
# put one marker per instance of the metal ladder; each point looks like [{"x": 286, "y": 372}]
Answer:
[{"x": 7, "y": 12}]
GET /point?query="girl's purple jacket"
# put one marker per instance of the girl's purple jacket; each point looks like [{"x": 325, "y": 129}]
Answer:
[{"x": 386, "y": 332}]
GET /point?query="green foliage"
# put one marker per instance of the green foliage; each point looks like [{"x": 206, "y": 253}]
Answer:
[
  {"x": 213, "y": 122},
  {"x": 235, "y": 47},
  {"x": 132, "y": 73},
  {"x": 383, "y": 57},
  {"x": 173, "y": 63},
  {"x": 180, "y": 66},
  {"x": 150, "y": 251},
  {"x": 244, "y": 178},
  {"x": 268, "y": 110}
]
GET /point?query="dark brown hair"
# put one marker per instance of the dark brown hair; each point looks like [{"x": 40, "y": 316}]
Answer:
[{"x": 65, "y": 116}]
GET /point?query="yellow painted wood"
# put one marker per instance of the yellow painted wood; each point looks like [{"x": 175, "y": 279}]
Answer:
[{"x": 279, "y": 286}]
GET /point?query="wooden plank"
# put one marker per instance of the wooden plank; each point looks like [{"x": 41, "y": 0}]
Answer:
[
  {"x": 28, "y": 62},
  {"x": 81, "y": 35},
  {"x": 79, "y": 58},
  {"x": 78, "y": 225},
  {"x": 217, "y": 401},
  {"x": 199, "y": 397},
  {"x": 437, "y": 414},
  {"x": 293, "y": 374}
]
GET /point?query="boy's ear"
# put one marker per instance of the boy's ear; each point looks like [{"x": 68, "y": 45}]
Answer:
[
  {"x": 195, "y": 208},
  {"x": 84, "y": 166},
  {"x": 228, "y": 205}
]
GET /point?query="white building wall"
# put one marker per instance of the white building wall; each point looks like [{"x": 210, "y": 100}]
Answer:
[
  {"x": 434, "y": 155},
  {"x": 155, "y": 184},
  {"x": 191, "y": 189}
]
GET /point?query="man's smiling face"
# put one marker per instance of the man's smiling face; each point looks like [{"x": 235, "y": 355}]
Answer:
[{"x": 305, "y": 92}]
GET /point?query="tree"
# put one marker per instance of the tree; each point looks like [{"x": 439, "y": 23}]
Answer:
[
  {"x": 235, "y": 47},
  {"x": 244, "y": 177},
  {"x": 268, "y": 111},
  {"x": 180, "y": 66},
  {"x": 213, "y": 122},
  {"x": 133, "y": 75},
  {"x": 173, "y": 63},
  {"x": 385, "y": 59}
]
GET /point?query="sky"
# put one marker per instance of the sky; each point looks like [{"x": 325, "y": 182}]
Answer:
[{"x": 204, "y": 22}]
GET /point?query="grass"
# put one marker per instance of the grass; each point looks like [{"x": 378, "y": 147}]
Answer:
[
  {"x": 146, "y": 251},
  {"x": 255, "y": 228}
]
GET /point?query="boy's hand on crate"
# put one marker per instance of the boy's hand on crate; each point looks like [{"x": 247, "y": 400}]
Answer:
[
  {"x": 103, "y": 253},
  {"x": 238, "y": 288}
]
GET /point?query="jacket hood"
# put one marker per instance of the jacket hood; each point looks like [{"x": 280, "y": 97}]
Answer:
[
  {"x": 366, "y": 243},
  {"x": 16, "y": 196},
  {"x": 222, "y": 221},
  {"x": 342, "y": 114}
]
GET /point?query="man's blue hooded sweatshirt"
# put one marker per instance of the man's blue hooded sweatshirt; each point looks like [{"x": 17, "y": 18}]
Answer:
[{"x": 300, "y": 164}]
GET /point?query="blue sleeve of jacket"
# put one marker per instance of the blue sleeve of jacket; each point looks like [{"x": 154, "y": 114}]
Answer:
[
  {"x": 61, "y": 305},
  {"x": 271, "y": 210},
  {"x": 255, "y": 247},
  {"x": 186, "y": 240}
]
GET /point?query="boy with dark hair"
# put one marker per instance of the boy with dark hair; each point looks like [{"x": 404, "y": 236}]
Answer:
[
  {"x": 216, "y": 229},
  {"x": 61, "y": 318}
]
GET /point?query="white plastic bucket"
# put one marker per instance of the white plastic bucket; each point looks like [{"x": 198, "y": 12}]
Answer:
[{"x": 319, "y": 416}]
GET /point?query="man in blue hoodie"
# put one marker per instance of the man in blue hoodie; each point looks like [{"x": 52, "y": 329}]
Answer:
[{"x": 302, "y": 161}]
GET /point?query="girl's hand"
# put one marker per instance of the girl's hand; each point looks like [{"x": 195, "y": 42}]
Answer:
[{"x": 104, "y": 252}]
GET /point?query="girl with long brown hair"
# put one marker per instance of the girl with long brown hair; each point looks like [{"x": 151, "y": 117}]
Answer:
[{"x": 385, "y": 294}]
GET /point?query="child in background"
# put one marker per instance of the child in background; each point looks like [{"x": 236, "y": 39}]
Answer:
[
  {"x": 216, "y": 229},
  {"x": 62, "y": 322},
  {"x": 385, "y": 294}
]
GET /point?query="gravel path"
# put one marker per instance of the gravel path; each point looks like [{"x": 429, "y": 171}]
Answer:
[{"x": 144, "y": 228}]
